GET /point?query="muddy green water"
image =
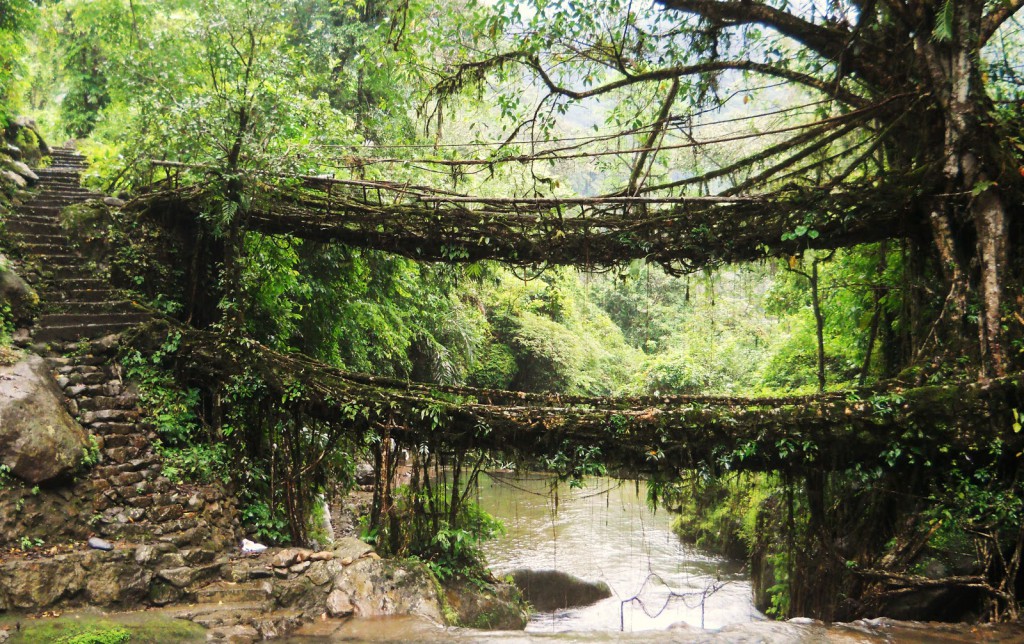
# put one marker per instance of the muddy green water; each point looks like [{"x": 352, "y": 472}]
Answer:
[{"x": 605, "y": 531}]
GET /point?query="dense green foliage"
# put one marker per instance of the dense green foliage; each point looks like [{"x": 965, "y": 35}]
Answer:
[
  {"x": 15, "y": 17},
  {"x": 255, "y": 96}
]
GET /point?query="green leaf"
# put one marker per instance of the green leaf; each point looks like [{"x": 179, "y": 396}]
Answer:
[
  {"x": 943, "y": 31},
  {"x": 981, "y": 187}
]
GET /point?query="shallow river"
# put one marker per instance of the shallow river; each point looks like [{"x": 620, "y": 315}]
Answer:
[{"x": 604, "y": 531}]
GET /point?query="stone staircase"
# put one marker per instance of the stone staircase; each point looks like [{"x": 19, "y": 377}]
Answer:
[
  {"x": 128, "y": 496},
  {"x": 77, "y": 299},
  {"x": 241, "y": 611},
  {"x": 172, "y": 542},
  {"x": 174, "y": 545}
]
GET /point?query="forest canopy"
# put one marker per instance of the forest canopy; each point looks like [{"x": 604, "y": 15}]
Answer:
[{"x": 555, "y": 198}]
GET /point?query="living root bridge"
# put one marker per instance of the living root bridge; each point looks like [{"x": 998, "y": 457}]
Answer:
[
  {"x": 893, "y": 429},
  {"x": 682, "y": 234}
]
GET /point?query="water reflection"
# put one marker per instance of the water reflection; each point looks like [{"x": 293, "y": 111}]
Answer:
[{"x": 605, "y": 531}]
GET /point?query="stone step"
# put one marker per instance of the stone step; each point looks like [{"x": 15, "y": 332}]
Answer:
[
  {"x": 115, "y": 429},
  {"x": 262, "y": 625},
  {"x": 96, "y": 403},
  {"x": 93, "y": 307},
  {"x": 62, "y": 297},
  {"x": 59, "y": 156},
  {"x": 63, "y": 186},
  {"x": 77, "y": 378},
  {"x": 165, "y": 513},
  {"x": 40, "y": 208},
  {"x": 46, "y": 249},
  {"x": 37, "y": 218},
  {"x": 213, "y": 615},
  {"x": 67, "y": 364},
  {"x": 89, "y": 391},
  {"x": 62, "y": 176},
  {"x": 65, "y": 319},
  {"x": 79, "y": 331},
  {"x": 137, "y": 473},
  {"x": 113, "y": 441},
  {"x": 117, "y": 416},
  {"x": 73, "y": 272},
  {"x": 55, "y": 181},
  {"x": 90, "y": 283},
  {"x": 227, "y": 592},
  {"x": 59, "y": 260},
  {"x": 65, "y": 152},
  {"x": 59, "y": 200},
  {"x": 63, "y": 193},
  {"x": 59, "y": 191},
  {"x": 77, "y": 367},
  {"x": 62, "y": 170},
  {"x": 105, "y": 346},
  {"x": 23, "y": 225},
  {"x": 56, "y": 170},
  {"x": 36, "y": 238}
]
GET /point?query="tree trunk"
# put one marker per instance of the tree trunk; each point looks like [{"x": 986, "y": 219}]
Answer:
[
  {"x": 991, "y": 224},
  {"x": 953, "y": 67},
  {"x": 819, "y": 324}
]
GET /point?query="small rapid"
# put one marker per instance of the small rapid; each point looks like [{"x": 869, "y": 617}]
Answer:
[{"x": 604, "y": 531}]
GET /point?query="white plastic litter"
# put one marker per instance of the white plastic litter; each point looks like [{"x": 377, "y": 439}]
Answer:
[{"x": 252, "y": 546}]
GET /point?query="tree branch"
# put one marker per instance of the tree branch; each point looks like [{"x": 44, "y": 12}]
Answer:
[
  {"x": 991, "y": 23},
  {"x": 827, "y": 42},
  {"x": 669, "y": 73},
  {"x": 652, "y": 138}
]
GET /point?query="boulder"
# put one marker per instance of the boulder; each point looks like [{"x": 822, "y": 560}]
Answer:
[
  {"x": 35, "y": 585},
  {"x": 339, "y": 604},
  {"x": 13, "y": 177},
  {"x": 117, "y": 582},
  {"x": 287, "y": 557},
  {"x": 550, "y": 590},
  {"x": 351, "y": 549},
  {"x": 39, "y": 440},
  {"x": 364, "y": 474},
  {"x": 21, "y": 297},
  {"x": 377, "y": 587},
  {"x": 494, "y": 606},
  {"x": 21, "y": 168},
  {"x": 25, "y": 123}
]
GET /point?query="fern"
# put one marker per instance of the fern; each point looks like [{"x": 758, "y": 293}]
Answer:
[{"x": 943, "y": 30}]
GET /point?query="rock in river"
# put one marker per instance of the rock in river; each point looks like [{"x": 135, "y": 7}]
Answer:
[{"x": 549, "y": 590}]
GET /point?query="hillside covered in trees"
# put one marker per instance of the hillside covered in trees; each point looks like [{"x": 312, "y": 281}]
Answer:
[{"x": 364, "y": 226}]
